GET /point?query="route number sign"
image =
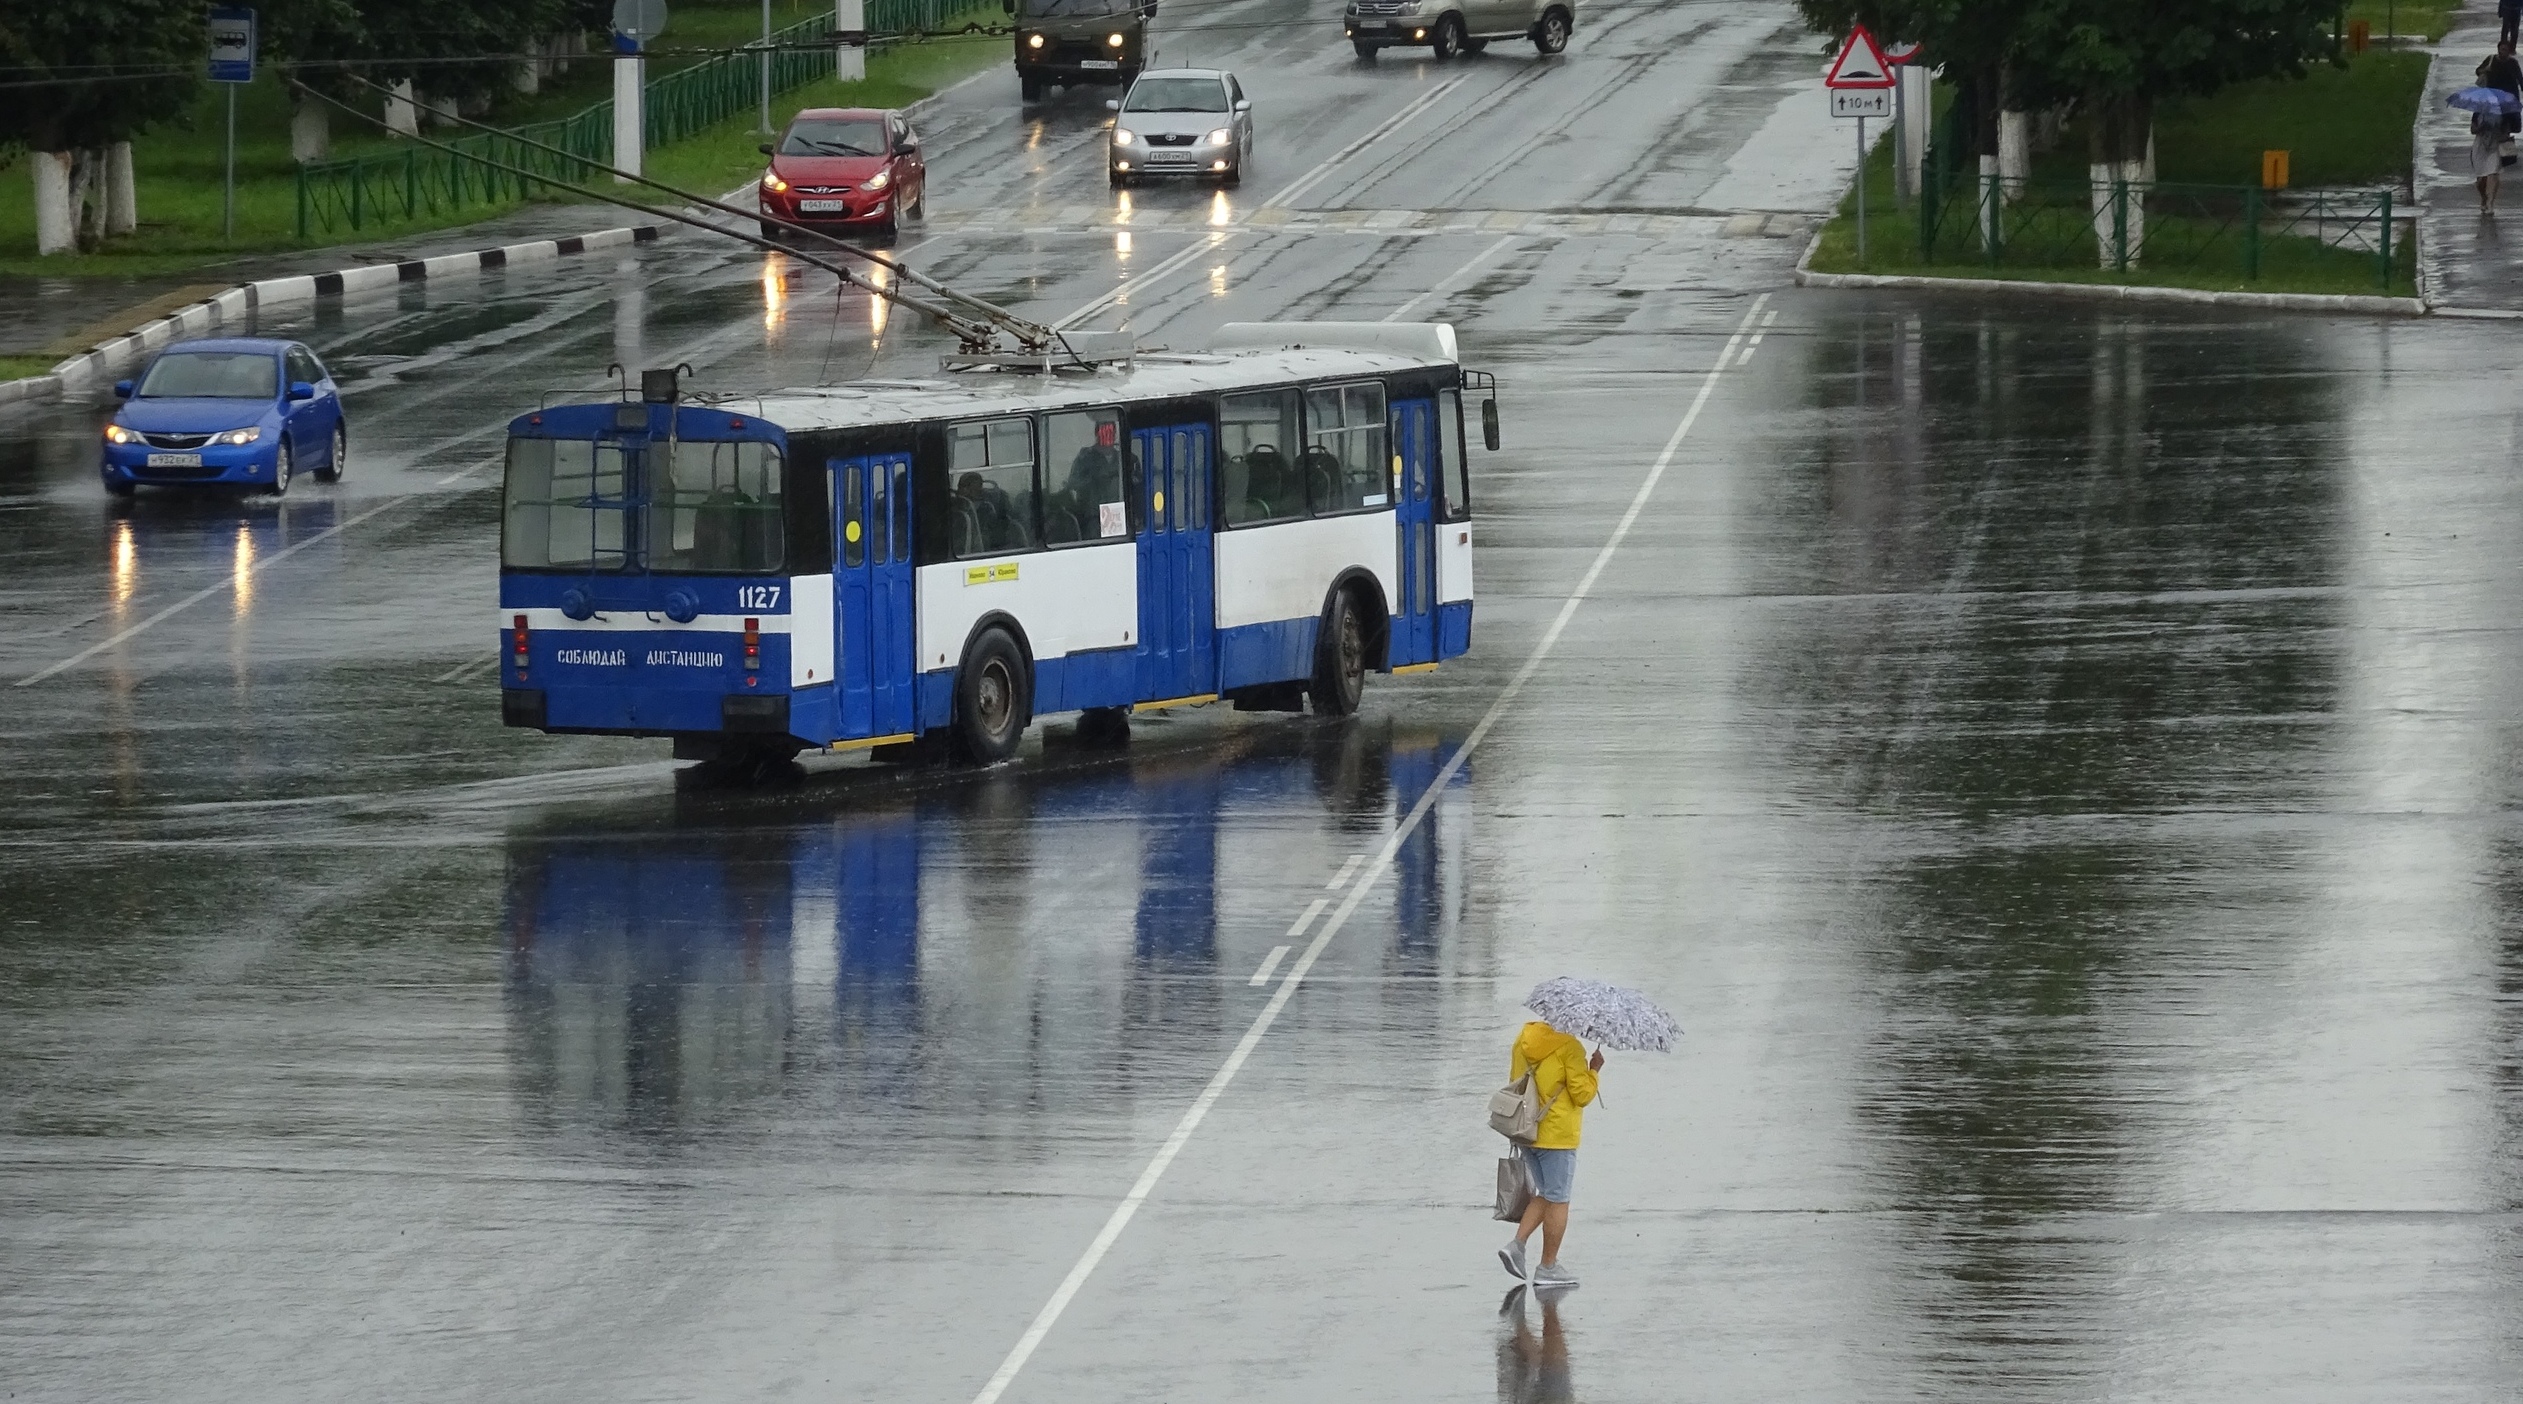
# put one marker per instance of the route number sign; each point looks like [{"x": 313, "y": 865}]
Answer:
[{"x": 1861, "y": 102}]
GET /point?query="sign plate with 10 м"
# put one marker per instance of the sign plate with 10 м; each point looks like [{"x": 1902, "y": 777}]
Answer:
[{"x": 1863, "y": 102}]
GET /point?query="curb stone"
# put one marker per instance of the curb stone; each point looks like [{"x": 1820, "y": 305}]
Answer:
[
  {"x": 2116, "y": 292},
  {"x": 237, "y": 303}
]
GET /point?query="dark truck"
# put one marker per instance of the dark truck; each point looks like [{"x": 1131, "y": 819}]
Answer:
[{"x": 1079, "y": 41}]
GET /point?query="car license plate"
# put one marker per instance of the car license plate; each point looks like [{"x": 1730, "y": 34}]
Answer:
[
  {"x": 823, "y": 206},
  {"x": 1099, "y": 63},
  {"x": 175, "y": 460},
  {"x": 1370, "y": 26}
]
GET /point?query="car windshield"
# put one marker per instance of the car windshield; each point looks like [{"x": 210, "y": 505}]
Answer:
[
  {"x": 1059, "y": 9},
  {"x": 835, "y": 137},
  {"x": 1177, "y": 95},
  {"x": 216, "y": 375}
]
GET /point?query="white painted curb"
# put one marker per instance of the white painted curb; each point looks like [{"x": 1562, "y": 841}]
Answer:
[{"x": 238, "y": 303}]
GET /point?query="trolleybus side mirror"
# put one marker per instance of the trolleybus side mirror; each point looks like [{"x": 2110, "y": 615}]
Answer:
[
  {"x": 765, "y": 149},
  {"x": 1489, "y": 425},
  {"x": 300, "y": 390},
  {"x": 122, "y": 389}
]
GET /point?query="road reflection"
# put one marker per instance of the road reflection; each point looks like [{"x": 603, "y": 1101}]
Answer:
[
  {"x": 1533, "y": 1365},
  {"x": 995, "y": 944}
]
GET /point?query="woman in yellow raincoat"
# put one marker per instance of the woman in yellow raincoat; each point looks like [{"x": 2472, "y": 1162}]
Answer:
[{"x": 1564, "y": 1078}]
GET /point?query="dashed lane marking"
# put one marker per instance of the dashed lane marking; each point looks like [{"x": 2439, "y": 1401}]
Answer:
[
  {"x": 1341, "y": 878},
  {"x": 1312, "y": 911},
  {"x": 1269, "y": 963},
  {"x": 1219, "y": 1081}
]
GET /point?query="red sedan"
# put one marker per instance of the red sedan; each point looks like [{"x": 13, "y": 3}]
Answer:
[{"x": 844, "y": 170}]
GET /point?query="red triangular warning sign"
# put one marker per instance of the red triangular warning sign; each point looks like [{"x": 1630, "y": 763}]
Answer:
[{"x": 1861, "y": 64}]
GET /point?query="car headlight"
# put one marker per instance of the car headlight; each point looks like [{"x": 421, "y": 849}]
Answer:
[
  {"x": 1033, "y": 41},
  {"x": 1113, "y": 39},
  {"x": 1123, "y": 136},
  {"x": 878, "y": 181},
  {"x": 1223, "y": 136},
  {"x": 773, "y": 183},
  {"x": 238, "y": 436},
  {"x": 117, "y": 434}
]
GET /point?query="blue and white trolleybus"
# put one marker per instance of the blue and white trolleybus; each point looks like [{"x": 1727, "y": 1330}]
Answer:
[{"x": 887, "y": 561}]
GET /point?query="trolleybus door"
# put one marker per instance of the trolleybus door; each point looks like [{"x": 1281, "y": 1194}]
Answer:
[
  {"x": 1178, "y": 616},
  {"x": 1414, "y": 512},
  {"x": 872, "y": 498}
]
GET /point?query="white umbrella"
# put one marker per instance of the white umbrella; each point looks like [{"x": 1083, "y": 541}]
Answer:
[{"x": 1605, "y": 1014}]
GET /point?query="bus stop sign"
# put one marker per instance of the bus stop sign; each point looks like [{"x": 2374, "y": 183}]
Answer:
[
  {"x": 1860, "y": 66},
  {"x": 231, "y": 45}
]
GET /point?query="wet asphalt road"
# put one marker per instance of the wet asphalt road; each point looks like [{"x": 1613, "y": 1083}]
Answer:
[{"x": 2057, "y": 763}]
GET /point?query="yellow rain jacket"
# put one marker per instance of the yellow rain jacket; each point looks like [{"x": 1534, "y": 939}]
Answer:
[{"x": 1558, "y": 1062}]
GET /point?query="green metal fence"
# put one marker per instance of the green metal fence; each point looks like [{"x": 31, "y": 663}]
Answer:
[
  {"x": 1965, "y": 217},
  {"x": 421, "y": 182}
]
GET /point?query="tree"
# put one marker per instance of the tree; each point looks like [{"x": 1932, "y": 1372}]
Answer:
[{"x": 88, "y": 76}]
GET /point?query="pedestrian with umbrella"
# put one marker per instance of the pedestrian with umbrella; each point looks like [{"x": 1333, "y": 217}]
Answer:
[
  {"x": 2487, "y": 108},
  {"x": 1552, "y": 1080}
]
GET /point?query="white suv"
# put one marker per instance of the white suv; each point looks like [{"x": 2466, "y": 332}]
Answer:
[{"x": 1453, "y": 27}]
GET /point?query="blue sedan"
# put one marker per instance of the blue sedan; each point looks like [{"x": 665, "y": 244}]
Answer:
[{"x": 227, "y": 410}]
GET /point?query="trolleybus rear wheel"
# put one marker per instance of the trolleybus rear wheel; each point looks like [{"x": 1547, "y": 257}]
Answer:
[
  {"x": 993, "y": 699},
  {"x": 1340, "y": 660}
]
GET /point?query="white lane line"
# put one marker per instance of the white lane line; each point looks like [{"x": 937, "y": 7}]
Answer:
[
  {"x": 1313, "y": 910},
  {"x": 1448, "y": 282},
  {"x": 1198, "y": 1112},
  {"x": 1384, "y": 129},
  {"x": 473, "y": 665},
  {"x": 1269, "y": 963},
  {"x": 1341, "y": 878},
  {"x": 1128, "y": 284}
]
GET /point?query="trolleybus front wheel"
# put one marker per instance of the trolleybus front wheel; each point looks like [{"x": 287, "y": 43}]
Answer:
[
  {"x": 1340, "y": 659},
  {"x": 993, "y": 698}
]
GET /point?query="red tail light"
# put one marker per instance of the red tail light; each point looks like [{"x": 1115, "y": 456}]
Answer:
[
  {"x": 753, "y": 643},
  {"x": 520, "y": 644}
]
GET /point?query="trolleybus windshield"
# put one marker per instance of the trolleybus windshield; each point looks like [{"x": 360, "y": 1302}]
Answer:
[{"x": 708, "y": 507}]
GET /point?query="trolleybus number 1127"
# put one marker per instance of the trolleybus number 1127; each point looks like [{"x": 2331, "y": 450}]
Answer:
[{"x": 887, "y": 561}]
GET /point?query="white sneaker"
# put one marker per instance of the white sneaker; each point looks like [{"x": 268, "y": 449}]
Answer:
[
  {"x": 1554, "y": 1275},
  {"x": 1513, "y": 1257}
]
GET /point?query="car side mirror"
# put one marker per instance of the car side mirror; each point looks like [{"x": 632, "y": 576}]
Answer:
[
  {"x": 1489, "y": 425},
  {"x": 300, "y": 390},
  {"x": 122, "y": 389},
  {"x": 1243, "y": 104},
  {"x": 765, "y": 149},
  {"x": 1112, "y": 104},
  {"x": 905, "y": 148}
]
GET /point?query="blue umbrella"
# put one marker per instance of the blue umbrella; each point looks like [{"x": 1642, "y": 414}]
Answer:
[{"x": 2496, "y": 100}]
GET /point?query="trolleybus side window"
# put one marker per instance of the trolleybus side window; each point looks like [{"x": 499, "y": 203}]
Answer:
[
  {"x": 853, "y": 534},
  {"x": 716, "y": 509},
  {"x": 1258, "y": 447},
  {"x": 1190, "y": 493},
  {"x": 1346, "y": 465},
  {"x": 564, "y": 505},
  {"x": 1083, "y": 498},
  {"x": 1455, "y": 472},
  {"x": 990, "y": 468}
]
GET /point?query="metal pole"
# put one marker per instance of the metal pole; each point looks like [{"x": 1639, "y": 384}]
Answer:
[
  {"x": 1900, "y": 142},
  {"x": 766, "y": 67},
  {"x": 228, "y": 196},
  {"x": 1861, "y": 192}
]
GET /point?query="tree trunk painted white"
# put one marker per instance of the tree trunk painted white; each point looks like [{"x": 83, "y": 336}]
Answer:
[
  {"x": 438, "y": 111},
  {"x": 1917, "y": 88},
  {"x": 402, "y": 116},
  {"x": 527, "y": 77},
  {"x": 2098, "y": 178},
  {"x": 2150, "y": 155},
  {"x": 54, "y": 230},
  {"x": 2113, "y": 223},
  {"x": 122, "y": 195},
  {"x": 849, "y": 60},
  {"x": 2139, "y": 174},
  {"x": 630, "y": 131},
  {"x": 310, "y": 131},
  {"x": 2014, "y": 152}
]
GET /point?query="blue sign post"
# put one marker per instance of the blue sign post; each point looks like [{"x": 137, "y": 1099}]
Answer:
[{"x": 232, "y": 45}]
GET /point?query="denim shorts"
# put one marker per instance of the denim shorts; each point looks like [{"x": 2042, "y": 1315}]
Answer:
[{"x": 1554, "y": 1172}]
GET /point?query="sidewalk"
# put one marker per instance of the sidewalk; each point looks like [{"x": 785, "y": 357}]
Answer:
[{"x": 2465, "y": 262}]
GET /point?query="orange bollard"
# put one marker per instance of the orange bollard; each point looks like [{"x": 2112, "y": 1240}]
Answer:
[
  {"x": 2273, "y": 170},
  {"x": 2360, "y": 35}
]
